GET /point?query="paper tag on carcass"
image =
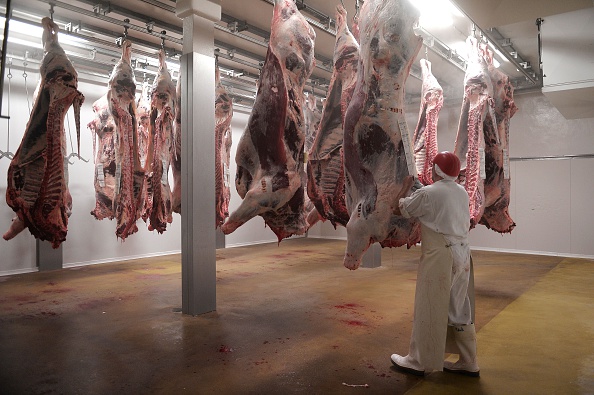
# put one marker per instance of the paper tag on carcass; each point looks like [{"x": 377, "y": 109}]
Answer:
[
  {"x": 483, "y": 173},
  {"x": 165, "y": 173},
  {"x": 100, "y": 175},
  {"x": 505, "y": 164},
  {"x": 118, "y": 178},
  {"x": 410, "y": 163},
  {"x": 305, "y": 157}
]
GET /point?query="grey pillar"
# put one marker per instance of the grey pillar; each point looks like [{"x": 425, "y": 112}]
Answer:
[
  {"x": 373, "y": 256},
  {"x": 47, "y": 257},
  {"x": 198, "y": 184},
  {"x": 220, "y": 237}
]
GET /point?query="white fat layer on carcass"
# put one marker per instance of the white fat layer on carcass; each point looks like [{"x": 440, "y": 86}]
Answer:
[
  {"x": 100, "y": 174},
  {"x": 227, "y": 175},
  {"x": 482, "y": 170},
  {"x": 165, "y": 172}
]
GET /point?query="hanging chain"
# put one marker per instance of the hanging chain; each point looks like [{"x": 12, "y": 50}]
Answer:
[
  {"x": 25, "y": 77},
  {"x": 9, "y": 76}
]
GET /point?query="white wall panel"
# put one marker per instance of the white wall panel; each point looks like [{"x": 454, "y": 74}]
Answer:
[
  {"x": 582, "y": 207},
  {"x": 543, "y": 206}
]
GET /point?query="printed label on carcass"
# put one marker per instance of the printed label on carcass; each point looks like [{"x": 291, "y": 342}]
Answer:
[
  {"x": 100, "y": 175},
  {"x": 165, "y": 173},
  {"x": 410, "y": 163},
  {"x": 118, "y": 177},
  {"x": 505, "y": 164},
  {"x": 483, "y": 173}
]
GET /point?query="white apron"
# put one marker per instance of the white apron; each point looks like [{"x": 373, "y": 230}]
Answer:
[{"x": 441, "y": 296}]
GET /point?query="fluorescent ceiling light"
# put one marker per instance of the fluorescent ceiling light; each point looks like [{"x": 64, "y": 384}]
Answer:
[{"x": 436, "y": 13}]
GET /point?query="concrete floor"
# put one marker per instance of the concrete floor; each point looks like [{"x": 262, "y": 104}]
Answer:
[{"x": 289, "y": 319}]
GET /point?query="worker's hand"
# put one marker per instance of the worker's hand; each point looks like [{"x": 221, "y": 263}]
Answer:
[
  {"x": 417, "y": 185},
  {"x": 407, "y": 184}
]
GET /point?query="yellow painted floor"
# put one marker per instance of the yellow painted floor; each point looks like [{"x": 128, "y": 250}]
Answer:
[{"x": 289, "y": 319}]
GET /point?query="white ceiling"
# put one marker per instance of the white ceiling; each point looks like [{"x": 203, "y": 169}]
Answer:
[{"x": 514, "y": 19}]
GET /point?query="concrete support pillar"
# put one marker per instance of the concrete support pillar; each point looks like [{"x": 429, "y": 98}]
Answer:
[
  {"x": 47, "y": 257},
  {"x": 198, "y": 181}
]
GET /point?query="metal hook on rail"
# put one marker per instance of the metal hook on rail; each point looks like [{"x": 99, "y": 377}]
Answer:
[
  {"x": 163, "y": 35},
  {"x": 51, "y": 11},
  {"x": 7, "y": 153},
  {"x": 75, "y": 155}
]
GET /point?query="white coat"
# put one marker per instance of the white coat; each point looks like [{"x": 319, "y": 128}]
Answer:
[{"x": 442, "y": 294}]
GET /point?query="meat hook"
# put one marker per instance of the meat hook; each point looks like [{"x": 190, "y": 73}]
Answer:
[
  {"x": 75, "y": 155},
  {"x": 8, "y": 154}
]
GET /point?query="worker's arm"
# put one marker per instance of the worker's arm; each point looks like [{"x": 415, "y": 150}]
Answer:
[{"x": 406, "y": 186}]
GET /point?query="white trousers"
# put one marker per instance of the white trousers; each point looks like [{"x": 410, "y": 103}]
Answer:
[{"x": 441, "y": 296}]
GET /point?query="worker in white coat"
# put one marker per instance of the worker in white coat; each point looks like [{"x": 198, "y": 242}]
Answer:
[{"x": 444, "y": 295}]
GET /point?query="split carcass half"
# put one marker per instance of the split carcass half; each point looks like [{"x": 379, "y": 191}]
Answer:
[
  {"x": 223, "y": 140},
  {"x": 377, "y": 148},
  {"x": 176, "y": 154},
  {"x": 143, "y": 119},
  {"x": 37, "y": 188},
  {"x": 497, "y": 183},
  {"x": 425, "y": 136},
  {"x": 157, "y": 201},
  {"x": 103, "y": 131},
  {"x": 470, "y": 142},
  {"x": 270, "y": 175},
  {"x": 325, "y": 170},
  {"x": 129, "y": 174}
]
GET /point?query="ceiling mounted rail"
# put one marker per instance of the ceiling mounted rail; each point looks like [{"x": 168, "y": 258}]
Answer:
[{"x": 114, "y": 21}]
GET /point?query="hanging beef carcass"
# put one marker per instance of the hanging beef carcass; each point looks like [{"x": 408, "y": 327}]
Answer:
[
  {"x": 143, "y": 120},
  {"x": 223, "y": 139},
  {"x": 157, "y": 201},
  {"x": 129, "y": 175},
  {"x": 270, "y": 175},
  {"x": 103, "y": 132},
  {"x": 425, "y": 136},
  {"x": 325, "y": 171},
  {"x": 377, "y": 148},
  {"x": 176, "y": 152},
  {"x": 470, "y": 142},
  {"x": 497, "y": 182},
  {"x": 37, "y": 188}
]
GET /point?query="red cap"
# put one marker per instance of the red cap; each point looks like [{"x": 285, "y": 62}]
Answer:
[{"x": 448, "y": 163}]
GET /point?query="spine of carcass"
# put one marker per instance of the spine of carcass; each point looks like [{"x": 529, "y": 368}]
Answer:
[
  {"x": 223, "y": 140},
  {"x": 325, "y": 168},
  {"x": 497, "y": 182},
  {"x": 425, "y": 136},
  {"x": 37, "y": 187},
  {"x": 377, "y": 148},
  {"x": 270, "y": 170}
]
